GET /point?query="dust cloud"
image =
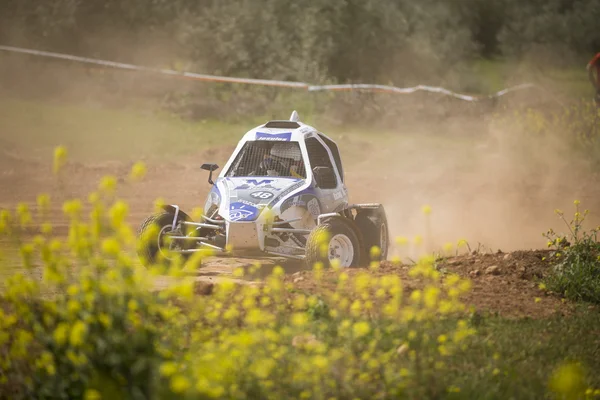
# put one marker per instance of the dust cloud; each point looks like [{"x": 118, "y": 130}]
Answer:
[{"x": 493, "y": 187}]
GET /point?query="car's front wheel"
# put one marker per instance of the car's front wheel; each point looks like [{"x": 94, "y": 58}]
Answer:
[
  {"x": 335, "y": 241},
  {"x": 153, "y": 243}
]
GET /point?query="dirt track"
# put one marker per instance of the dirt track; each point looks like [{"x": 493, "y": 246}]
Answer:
[{"x": 511, "y": 290}]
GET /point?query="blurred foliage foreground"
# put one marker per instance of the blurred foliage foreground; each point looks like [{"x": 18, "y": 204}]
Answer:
[{"x": 91, "y": 326}]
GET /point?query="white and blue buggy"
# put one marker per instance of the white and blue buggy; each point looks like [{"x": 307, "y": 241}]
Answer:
[{"x": 282, "y": 193}]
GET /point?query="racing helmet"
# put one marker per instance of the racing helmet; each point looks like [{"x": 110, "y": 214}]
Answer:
[{"x": 288, "y": 156}]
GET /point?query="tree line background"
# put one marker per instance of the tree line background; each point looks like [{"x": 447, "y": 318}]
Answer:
[
  {"x": 458, "y": 44},
  {"x": 312, "y": 40}
]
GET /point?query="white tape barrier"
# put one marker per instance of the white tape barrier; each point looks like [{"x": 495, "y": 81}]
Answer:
[
  {"x": 433, "y": 89},
  {"x": 211, "y": 78},
  {"x": 267, "y": 82}
]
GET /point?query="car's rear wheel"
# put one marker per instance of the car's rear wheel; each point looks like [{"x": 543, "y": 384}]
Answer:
[
  {"x": 373, "y": 225},
  {"x": 335, "y": 241}
]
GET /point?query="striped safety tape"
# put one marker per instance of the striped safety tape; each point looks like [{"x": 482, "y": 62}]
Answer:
[{"x": 267, "y": 82}]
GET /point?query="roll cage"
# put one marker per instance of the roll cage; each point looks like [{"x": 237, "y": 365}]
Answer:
[{"x": 317, "y": 149}]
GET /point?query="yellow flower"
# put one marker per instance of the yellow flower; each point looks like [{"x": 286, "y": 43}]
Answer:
[
  {"x": 231, "y": 313},
  {"x": 108, "y": 184},
  {"x": 568, "y": 380},
  {"x": 60, "y": 158},
  {"x": 93, "y": 198},
  {"x": 60, "y": 333},
  {"x": 320, "y": 361},
  {"x": 46, "y": 228},
  {"x": 396, "y": 260},
  {"x": 179, "y": 384},
  {"x": 426, "y": 209},
  {"x": 465, "y": 285},
  {"x": 356, "y": 308},
  {"x": 391, "y": 308},
  {"x": 448, "y": 247},
  {"x": 430, "y": 296},
  {"x": 159, "y": 204},
  {"x": 138, "y": 171},
  {"x": 362, "y": 282},
  {"x": 92, "y": 394},
  {"x": 443, "y": 350},
  {"x": 111, "y": 246},
  {"x": 73, "y": 306},
  {"x": 168, "y": 369},
  {"x": 78, "y": 333},
  {"x": 461, "y": 243},
  {"x": 299, "y": 319},
  {"x": 401, "y": 241},
  {"x": 375, "y": 252},
  {"x": 262, "y": 368},
  {"x": 72, "y": 208},
  {"x": 72, "y": 290},
  {"x": 43, "y": 203},
  {"x": 416, "y": 296},
  {"x": 105, "y": 320},
  {"x": 5, "y": 219},
  {"x": 361, "y": 329},
  {"x": 299, "y": 302},
  {"x": 23, "y": 214},
  {"x": 118, "y": 212},
  {"x": 132, "y": 305}
]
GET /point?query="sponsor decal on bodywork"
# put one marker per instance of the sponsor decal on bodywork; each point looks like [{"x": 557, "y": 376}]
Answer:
[
  {"x": 257, "y": 183},
  {"x": 299, "y": 200},
  {"x": 239, "y": 211},
  {"x": 250, "y": 203},
  {"x": 307, "y": 201},
  {"x": 255, "y": 192},
  {"x": 313, "y": 207},
  {"x": 277, "y": 137},
  {"x": 338, "y": 195},
  {"x": 261, "y": 194},
  {"x": 286, "y": 192}
]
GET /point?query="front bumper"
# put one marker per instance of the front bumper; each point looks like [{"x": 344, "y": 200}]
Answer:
[{"x": 245, "y": 238}]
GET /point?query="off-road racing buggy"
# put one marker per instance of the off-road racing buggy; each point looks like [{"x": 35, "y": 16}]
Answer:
[{"x": 282, "y": 193}]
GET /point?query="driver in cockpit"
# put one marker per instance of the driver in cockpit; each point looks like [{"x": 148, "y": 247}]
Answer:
[{"x": 284, "y": 159}]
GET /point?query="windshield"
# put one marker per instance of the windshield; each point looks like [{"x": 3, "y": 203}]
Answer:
[{"x": 263, "y": 158}]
